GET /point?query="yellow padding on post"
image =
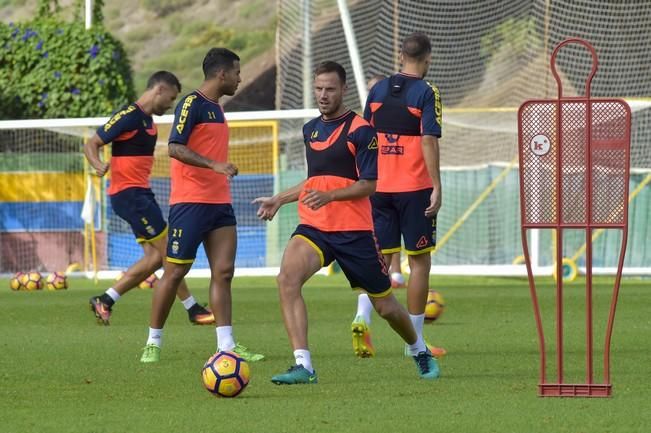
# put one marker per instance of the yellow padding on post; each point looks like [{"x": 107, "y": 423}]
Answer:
[{"x": 41, "y": 187}]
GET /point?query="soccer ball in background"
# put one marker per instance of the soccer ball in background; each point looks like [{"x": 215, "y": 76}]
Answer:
[
  {"x": 225, "y": 374},
  {"x": 31, "y": 281},
  {"x": 435, "y": 306},
  {"x": 56, "y": 281},
  {"x": 149, "y": 282},
  {"x": 15, "y": 283}
]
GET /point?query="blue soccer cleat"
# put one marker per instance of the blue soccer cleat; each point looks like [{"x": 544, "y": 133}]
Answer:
[
  {"x": 428, "y": 367},
  {"x": 296, "y": 375}
]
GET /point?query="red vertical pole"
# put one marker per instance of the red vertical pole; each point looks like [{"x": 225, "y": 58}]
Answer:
[
  {"x": 559, "y": 300},
  {"x": 589, "y": 219},
  {"x": 559, "y": 227}
]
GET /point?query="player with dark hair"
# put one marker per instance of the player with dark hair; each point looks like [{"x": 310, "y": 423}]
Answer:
[
  {"x": 406, "y": 113},
  {"x": 335, "y": 224},
  {"x": 133, "y": 134},
  {"x": 201, "y": 210}
]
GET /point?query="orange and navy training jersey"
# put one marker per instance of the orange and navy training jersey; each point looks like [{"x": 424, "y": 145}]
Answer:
[
  {"x": 402, "y": 108},
  {"x": 199, "y": 123},
  {"x": 339, "y": 152},
  {"x": 133, "y": 134}
]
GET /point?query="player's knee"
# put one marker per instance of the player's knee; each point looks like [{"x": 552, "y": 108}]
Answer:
[
  {"x": 287, "y": 283},
  {"x": 174, "y": 272},
  {"x": 282, "y": 280},
  {"x": 176, "y": 277},
  {"x": 224, "y": 273}
]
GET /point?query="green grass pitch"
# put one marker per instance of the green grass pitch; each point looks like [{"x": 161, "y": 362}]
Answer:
[{"x": 61, "y": 372}]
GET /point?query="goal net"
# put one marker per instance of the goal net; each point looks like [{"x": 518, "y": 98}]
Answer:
[{"x": 488, "y": 57}]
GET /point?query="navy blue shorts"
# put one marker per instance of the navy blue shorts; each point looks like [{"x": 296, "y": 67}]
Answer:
[
  {"x": 189, "y": 225},
  {"x": 357, "y": 254},
  {"x": 138, "y": 207},
  {"x": 403, "y": 213}
]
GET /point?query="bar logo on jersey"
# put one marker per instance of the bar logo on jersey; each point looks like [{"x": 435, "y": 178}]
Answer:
[
  {"x": 314, "y": 135},
  {"x": 117, "y": 116},
  {"x": 183, "y": 117},
  {"x": 373, "y": 144},
  {"x": 392, "y": 148}
]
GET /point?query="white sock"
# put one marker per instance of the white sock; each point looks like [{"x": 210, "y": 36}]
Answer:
[
  {"x": 398, "y": 277},
  {"x": 112, "y": 294},
  {"x": 364, "y": 308},
  {"x": 189, "y": 302},
  {"x": 155, "y": 337},
  {"x": 303, "y": 358},
  {"x": 225, "y": 338},
  {"x": 419, "y": 346}
]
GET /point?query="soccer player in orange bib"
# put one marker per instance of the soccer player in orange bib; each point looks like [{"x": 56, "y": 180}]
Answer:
[
  {"x": 392, "y": 259},
  {"x": 406, "y": 112},
  {"x": 336, "y": 224},
  {"x": 200, "y": 202},
  {"x": 133, "y": 133}
]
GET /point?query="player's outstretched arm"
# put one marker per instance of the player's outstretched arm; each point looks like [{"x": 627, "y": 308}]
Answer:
[
  {"x": 315, "y": 199},
  {"x": 91, "y": 150},
  {"x": 431, "y": 155},
  {"x": 188, "y": 156},
  {"x": 270, "y": 205}
]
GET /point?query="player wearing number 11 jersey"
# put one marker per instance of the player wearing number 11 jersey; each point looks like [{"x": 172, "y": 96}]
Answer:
[{"x": 200, "y": 202}]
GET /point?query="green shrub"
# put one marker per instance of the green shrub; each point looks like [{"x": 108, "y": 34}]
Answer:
[{"x": 51, "y": 68}]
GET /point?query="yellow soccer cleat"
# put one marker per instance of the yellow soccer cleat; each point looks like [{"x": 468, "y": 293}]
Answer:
[{"x": 362, "y": 345}]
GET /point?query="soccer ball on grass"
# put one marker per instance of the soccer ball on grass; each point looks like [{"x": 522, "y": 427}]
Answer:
[
  {"x": 435, "y": 306},
  {"x": 15, "y": 283},
  {"x": 56, "y": 281},
  {"x": 149, "y": 282},
  {"x": 225, "y": 374},
  {"x": 31, "y": 281}
]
